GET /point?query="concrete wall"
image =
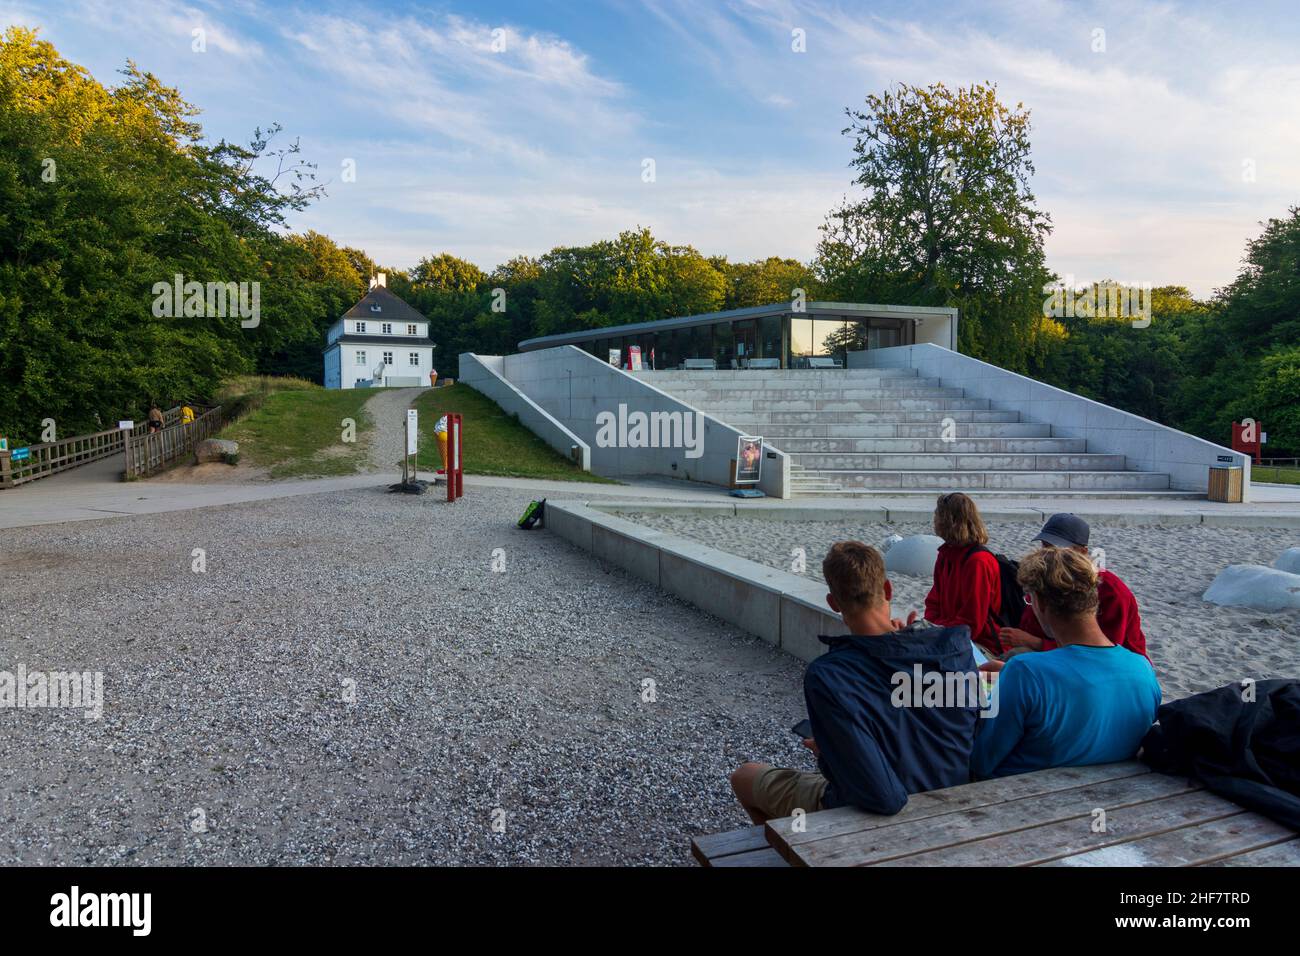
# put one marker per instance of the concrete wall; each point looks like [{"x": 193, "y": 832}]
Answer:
[
  {"x": 483, "y": 374},
  {"x": 574, "y": 388},
  {"x": 1145, "y": 445},
  {"x": 784, "y": 609}
]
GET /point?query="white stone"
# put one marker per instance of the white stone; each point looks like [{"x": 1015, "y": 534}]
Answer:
[
  {"x": 1255, "y": 586},
  {"x": 1288, "y": 560},
  {"x": 914, "y": 555}
]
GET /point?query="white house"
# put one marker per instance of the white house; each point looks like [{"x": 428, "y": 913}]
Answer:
[{"x": 380, "y": 341}]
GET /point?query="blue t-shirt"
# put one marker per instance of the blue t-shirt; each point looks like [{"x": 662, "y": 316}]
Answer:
[{"x": 1066, "y": 708}]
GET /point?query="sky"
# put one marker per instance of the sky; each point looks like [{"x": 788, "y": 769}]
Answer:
[{"x": 1163, "y": 133}]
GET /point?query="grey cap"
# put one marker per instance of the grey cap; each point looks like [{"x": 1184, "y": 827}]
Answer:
[{"x": 1064, "y": 531}]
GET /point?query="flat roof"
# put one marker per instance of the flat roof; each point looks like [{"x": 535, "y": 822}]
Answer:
[{"x": 854, "y": 309}]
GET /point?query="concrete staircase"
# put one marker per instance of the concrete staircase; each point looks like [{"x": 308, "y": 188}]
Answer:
[{"x": 873, "y": 432}]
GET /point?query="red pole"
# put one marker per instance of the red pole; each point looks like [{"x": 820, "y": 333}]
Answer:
[{"x": 455, "y": 460}]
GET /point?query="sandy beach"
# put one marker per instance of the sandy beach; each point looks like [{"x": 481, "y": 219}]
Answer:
[{"x": 1195, "y": 646}]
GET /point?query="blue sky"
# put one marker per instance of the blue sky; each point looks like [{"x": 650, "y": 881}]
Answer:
[{"x": 1156, "y": 156}]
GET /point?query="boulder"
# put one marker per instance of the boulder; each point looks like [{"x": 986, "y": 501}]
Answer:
[
  {"x": 914, "y": 555},
  {"x": 1288, "y": 560},
  {"x": 1255, "y": 586},
  {"x": 214, "y": 449}
]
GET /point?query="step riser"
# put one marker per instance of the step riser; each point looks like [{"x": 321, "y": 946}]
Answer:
[
  {"x": 702, "y": 396},
  {"x": 933, "y": 446},
  {"x": 964, "y": 430},
  {"x": 931, "y": 418},
  {"x": 1001, "y": 481},
  {"x": 782, "y": 386},
  {"x": 941, "y": 406},
  {"x": 961, "y": 463}
]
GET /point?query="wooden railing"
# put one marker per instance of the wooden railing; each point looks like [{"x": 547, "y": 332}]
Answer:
[
  {"x": 149, "y": 453},
  {"x": 50, "y": 458}
]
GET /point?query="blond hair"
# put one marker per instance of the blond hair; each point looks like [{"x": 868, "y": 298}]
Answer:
[
  {"x": 1062, "y": 581},
  {"x": 855, "y": 574},
  {"x": 957, "y": 520}
]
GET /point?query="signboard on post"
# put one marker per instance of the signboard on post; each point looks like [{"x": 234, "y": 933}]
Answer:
[
  {"x": 455, "y": 460},
  {"x": 634, "y": 358},
  {"x": 749, "y": 459},
  {"x": 412, "y": 431},
  {"x": 125, "y": 425},
  {"x": 21, "y": 454}
]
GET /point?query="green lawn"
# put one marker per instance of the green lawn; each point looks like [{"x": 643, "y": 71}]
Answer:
[
  {"x": 1280, "y": 476},
  {"x": 295, "y": 429},
  {"x": 494, "y": 443}
]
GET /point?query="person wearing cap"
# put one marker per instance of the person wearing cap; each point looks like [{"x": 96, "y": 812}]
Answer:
[
  {"x": 1117, "y": 612},
  {"x": 1090, "y": 702}
]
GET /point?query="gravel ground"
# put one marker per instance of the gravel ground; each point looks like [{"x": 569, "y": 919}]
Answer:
[
  {"x": 388, "y": 438},
  {"x": 475, "y": 691},
  {"x": 1195, "y": 646}
]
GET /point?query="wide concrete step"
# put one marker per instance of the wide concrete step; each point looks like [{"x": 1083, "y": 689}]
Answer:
[
  {"x": 933, "y": 417},
  {"x": 932, "y": 430},
  {"x": 998, "y": 480},
  {"x": 777, "y": 374},
  {"x": 794, "y": 384},
  {"x": 781, "y": 397},
  {"x": 1010, "y": 494},
  {"x": 955, "y": 462},
  {"x": 940, "y": 406},
  {"x": 905, "y": 446}
]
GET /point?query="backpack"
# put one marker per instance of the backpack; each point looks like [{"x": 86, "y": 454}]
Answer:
[
  {"x": 1013, "y": 595},
  {"x": 535, "y": 512}
]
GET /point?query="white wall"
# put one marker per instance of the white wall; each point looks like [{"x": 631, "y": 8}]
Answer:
[
  {"x": 1145, "y": 445},
  {"x": 483, "y": 374},
  {"x": 574, "y": 387}
]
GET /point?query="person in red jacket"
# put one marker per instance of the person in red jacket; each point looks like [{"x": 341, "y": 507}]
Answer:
[
  {"x": 967, "y": 587},
  {"x": 1117, "y": 611}
]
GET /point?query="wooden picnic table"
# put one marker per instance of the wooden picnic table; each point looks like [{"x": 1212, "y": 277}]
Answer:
[{"x": 1047, "y": 818}]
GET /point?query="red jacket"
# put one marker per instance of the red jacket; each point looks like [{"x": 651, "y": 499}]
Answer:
[
  {"x": 966, "y": 591},
  {"x": 1117, "y": 615}
]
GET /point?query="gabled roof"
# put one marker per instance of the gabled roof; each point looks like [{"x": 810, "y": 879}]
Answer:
[{"x": 392, "y": 308}]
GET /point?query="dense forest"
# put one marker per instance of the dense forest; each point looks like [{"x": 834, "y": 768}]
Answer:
[{"x": 108, "y": 190}]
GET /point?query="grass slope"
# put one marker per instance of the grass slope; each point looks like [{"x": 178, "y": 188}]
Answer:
[
  {"x": 294, "y": 428},
  {"x": 1280, "y": 476},
  {"x": 494, "y": 443}
]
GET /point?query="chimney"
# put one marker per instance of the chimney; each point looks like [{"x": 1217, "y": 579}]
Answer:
[{"x": 379, "y": 279}]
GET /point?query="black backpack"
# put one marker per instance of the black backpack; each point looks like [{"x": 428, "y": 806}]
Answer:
[
  {"x": 1013, "y": 595},
  {"x": 535, "y": 512}
]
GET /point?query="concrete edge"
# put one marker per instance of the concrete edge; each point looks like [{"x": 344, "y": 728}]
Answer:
[
  {"x": 781, "y": 608},
  {"x": 874, "y": 514}
]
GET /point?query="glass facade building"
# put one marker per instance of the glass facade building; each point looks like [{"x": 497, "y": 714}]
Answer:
[{"x": 820, "y": 335}]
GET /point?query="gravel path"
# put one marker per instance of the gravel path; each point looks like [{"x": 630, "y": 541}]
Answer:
[
  {"x": 388, "y": 436},
  {"x": 1195, "y": 646},
  {"x": 475, "y": 691}
]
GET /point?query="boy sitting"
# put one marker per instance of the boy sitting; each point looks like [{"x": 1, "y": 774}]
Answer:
[
  {"x": 1089, "y": 701},
  {"x": 875, "y": 742}
]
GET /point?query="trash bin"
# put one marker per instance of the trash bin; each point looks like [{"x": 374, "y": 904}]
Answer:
[{"x": 1225, "y": 483}]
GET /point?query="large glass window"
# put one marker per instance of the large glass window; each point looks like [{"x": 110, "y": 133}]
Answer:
[
  {"x": 769, "y": 338},
  {"x": 701, "y": 342},
  {"x": 830, "y": 338},
  {"x": 801, "y": 340},
  {"x": 724, "y": 345}
]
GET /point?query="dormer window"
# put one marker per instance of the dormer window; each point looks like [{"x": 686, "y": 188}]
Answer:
[
  {"x": 388, "y": 328},
  {"x": 361, "y": 326},
  {"x": 376, "y": 308},
  {"x": 410, "y": 330}
]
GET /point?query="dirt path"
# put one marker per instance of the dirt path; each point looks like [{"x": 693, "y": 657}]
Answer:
[{"x": 387, "y": 410}]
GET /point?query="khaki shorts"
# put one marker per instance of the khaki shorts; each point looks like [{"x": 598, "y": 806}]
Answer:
[{"x": 779, "y": 792}]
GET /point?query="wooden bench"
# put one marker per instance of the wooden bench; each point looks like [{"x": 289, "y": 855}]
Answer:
[{"x": 1048, "y": 818}]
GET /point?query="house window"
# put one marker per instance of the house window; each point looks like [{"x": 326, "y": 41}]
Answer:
[
  {"x": 388, "y": 328},
  {"x": 376, "y": 308},
  {"x": 388, "y": 358},
  {"x": 410, "y": 330},
  {"x": 361, "y": 357},
  {"x": 361, "y": 326},
  {"x": 415, "y": 358}
]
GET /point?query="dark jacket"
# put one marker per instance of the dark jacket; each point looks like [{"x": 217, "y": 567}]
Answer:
[
  {"x": 1246, "y": 751},
  {"x": 875, "y": 752}
]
